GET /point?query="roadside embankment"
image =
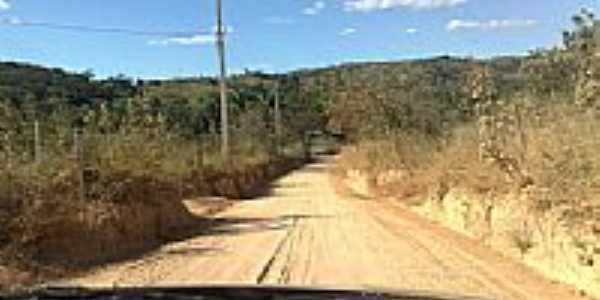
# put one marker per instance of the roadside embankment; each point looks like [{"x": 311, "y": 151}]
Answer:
[
  {"x": 508, "y": 222},
  {"x": 123, "y": 216}
]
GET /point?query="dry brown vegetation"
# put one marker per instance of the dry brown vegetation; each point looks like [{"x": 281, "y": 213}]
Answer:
[
  {"x": 84, "y": 185},
  {"x": 550, "y": 218},
  {"x": 131, "y": 202}
]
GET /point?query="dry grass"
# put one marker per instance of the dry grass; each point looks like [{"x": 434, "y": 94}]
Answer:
[
  {"x": 400, "y": 151},
  {"x": 560, "y": 156},
  {"x": 427, "y": 163},
  {"x": 556, "y": 149},
  {"x": 564, "y": 160},
  {"x": 137, "y": 168}
]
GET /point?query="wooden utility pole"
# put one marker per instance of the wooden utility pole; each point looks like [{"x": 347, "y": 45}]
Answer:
[
  {"x": 223, "y": 82},
  {"x": 277, "y": 120}
]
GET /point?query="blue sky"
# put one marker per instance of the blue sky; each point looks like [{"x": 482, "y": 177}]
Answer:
[{"x": 273, "y": 35}]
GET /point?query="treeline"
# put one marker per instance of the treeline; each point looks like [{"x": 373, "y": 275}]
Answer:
[
  {"x": 188, "y": 104},
  {"x": 29, "y": 85},
  {"x": 46, "y": 115},
  {"x": 430, "y": 95}
]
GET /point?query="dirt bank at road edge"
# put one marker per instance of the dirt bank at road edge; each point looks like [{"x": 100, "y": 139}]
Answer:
[
  {"x": 67, "y": 239},
  {"x": 504, "y": 223}
]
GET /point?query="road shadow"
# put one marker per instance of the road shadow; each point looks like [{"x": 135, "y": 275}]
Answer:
[
  {"x": 221, "y": 226},
  {"x": 190, "y": 251},
  {"x": 172, "y": 244}
]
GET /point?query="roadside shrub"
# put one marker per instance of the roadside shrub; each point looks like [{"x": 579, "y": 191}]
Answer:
[
  {"x": 564, "y": 161},
  {"x": 56, "y": 169}
]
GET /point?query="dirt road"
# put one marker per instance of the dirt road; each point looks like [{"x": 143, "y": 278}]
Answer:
[{"x": 303, "y": 234}]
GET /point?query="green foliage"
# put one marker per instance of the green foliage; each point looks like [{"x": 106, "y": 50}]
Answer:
[
  {"x": 367, "y": 100},
  {"x": 583, "y": 42},
  {"x": 551, "y": 74}
]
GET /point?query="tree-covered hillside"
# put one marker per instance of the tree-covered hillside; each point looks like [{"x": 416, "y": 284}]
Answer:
[{"x": 426, "y": 95}]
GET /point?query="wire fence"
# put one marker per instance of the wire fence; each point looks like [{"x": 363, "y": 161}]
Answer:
[{"x": 44, "y": 162}]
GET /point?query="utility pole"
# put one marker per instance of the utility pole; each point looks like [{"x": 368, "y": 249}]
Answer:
[
  {"x": 277, "y": 120},
  {"x": 222, "y": 82}
]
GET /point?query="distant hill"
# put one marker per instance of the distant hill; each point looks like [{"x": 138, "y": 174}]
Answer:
[
  {"x": 21, "y": 83},
  {"x": 346, "y": 93}
]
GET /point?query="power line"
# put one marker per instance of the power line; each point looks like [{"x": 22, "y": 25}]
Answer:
[{"x": 107, "y": 30}]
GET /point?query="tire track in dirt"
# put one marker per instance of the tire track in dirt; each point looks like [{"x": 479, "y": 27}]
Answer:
[{"x": 267, "y": 268}]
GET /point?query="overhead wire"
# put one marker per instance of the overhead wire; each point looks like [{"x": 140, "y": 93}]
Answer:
[{"x": 107, "y": 30}]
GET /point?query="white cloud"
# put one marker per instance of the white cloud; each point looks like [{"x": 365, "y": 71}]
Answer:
[
  {"x": 185, "y": 41},
  {"x": 315, "y": 9},
  {"x": 198, "y": 39},
  {"x": 279, "y": 21},
  {"x": 490, "y": 24},
  {"x": 348, "y": 31},
  {"x": 412, "y": 30},
  {"x": 372, "y": 5},
  {"x": 4, "y": 5}
]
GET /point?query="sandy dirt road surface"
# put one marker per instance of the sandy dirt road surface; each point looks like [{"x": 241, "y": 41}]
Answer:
[{"x": 304, "y": 234}]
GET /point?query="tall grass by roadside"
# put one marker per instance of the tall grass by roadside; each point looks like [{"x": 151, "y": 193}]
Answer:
[
  {"x": 61, "y": 169},
  {"x": 556, "y": 148},
  {"x": 548, "y": 215}
]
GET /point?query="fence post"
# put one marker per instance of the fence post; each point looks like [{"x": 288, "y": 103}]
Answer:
[
  {"x": 109, "y": 147},
  {"x": 195, "y": 154},
  {"x": 37, "y": 143},
  {"x": 78, "y": 154},
  {"x": 8, "y": 150},
  {"x": 9, "y": 166},
  {"x": 203, "y": 146}
]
